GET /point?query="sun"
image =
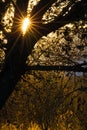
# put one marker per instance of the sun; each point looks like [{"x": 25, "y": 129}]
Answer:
[{"x": 25, "y": 25}]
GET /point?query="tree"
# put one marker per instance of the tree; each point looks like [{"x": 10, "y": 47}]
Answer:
[
  {"x": 19, "y": 47},
  {"x": 50, "y": 100}
]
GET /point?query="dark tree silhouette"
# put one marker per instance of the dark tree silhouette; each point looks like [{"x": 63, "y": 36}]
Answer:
[{"x": 19, "y": 46}]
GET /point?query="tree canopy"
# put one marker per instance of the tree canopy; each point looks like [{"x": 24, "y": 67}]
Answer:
[
  {"x": 59, "y": 20},
  {"x": 54, "y": 46}
]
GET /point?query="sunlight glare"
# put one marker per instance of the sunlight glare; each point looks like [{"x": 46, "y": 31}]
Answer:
[{"x": 25, "y": 25}]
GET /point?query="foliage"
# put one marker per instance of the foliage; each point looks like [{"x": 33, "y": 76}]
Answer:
[
  {"x": 57, "y": 36},
  {"x": 48, "y": 99}
]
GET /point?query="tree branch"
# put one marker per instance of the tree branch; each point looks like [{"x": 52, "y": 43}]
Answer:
[
  {"x": 22, "y": 5},
  {"x": 41, "y": 8},
  {"x": 74, "y": 68},
  {"x": 82, "y": 89},
  {"x": 75, "y": 14}
]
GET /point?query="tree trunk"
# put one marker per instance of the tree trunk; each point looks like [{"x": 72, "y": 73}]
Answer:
[{"x": 14, "y": 67}]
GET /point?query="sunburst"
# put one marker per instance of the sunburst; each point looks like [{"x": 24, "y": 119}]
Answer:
[{"x": 25, "y": 25}]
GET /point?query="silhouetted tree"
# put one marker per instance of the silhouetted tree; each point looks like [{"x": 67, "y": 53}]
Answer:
[{"x": 19, "y": 47}]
